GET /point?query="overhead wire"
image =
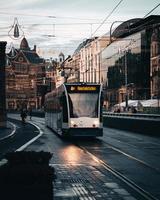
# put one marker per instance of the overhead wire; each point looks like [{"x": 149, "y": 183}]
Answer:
[
  {"x": 103, "y": 22},
  {"x": 51, "y": 16},
  {"x": 107, "y": 16},
  {"x": 143, "y": 18},
  {"x": 47, "y": 16},
  {"x": 152, "y": 10},
  {"x": 70, "y": 23}
]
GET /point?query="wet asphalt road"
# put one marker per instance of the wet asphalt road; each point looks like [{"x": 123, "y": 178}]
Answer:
[
  {"x": 134, "y": 155},
  {"x": 24, "y": 133}
]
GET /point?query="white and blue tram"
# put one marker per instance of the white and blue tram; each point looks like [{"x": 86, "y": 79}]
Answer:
[{"x": 75, "y": 109}]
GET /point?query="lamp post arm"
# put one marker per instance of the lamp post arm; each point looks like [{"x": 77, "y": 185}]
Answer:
[
  {"x": 110, "y": 32},
  {"x": 126, "y": 80}
]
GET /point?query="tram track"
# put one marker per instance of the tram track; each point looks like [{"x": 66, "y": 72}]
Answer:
[
  {"x": 131, "y": 184},
  {"x": 140, "y": 191},
  {"x": 132, "y": 157}
]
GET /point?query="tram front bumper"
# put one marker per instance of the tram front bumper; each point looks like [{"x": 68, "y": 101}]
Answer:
[{"x": 88, "y": 132}]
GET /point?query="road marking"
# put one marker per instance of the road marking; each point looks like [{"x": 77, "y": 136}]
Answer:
[
  {"x": 12, "y": 133},
  {"x": 32, "y": 140}
]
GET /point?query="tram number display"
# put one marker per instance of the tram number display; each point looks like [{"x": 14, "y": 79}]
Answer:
[
  {"x": 79, "y": 88},
  {"x": 82, "y": 88}
]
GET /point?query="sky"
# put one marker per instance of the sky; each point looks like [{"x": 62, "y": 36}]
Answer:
[{"x": 56, "y": 26}]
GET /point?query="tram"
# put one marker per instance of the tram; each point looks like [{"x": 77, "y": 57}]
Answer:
[{"x": 75, "y": 109}]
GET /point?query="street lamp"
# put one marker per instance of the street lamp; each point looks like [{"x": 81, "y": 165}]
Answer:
[
  {"x": 85, "y": 75},
  {"x": 16, "y": 31},
  {"x": 125, "y": 50},
  {"x": 99, "y": 67},
  {"x": 110, "y": 32}
]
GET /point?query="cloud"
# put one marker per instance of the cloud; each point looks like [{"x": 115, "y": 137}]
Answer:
[{"x": 32, "y": 17}]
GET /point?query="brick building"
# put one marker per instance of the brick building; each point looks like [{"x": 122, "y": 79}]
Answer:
[{"x": 25, "y": 74}]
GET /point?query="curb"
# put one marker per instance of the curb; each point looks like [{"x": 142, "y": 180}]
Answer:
[
  {"x": 12, "y": 133},
  {"x": 4, "y": 161}
]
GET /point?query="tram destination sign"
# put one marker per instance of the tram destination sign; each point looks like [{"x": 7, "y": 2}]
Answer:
[{"x": 82, "y": 88}]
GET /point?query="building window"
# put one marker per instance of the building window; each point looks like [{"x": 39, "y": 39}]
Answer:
[
  {"x": 21, "y": 68},
  {"x": 20, "y": 59}
]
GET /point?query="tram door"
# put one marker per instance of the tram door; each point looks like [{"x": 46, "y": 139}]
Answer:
[{"x": 59, "y": 113}]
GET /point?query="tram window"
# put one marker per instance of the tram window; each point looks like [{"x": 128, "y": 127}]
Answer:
[
  {"x": 83, "y": 105},
  {"x": 63, "y": 102}
]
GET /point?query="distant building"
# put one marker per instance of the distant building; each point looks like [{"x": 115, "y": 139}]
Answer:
[
  {"x": 70, "y": 68},
  {"x": 55, "y": 72},
  {"x": 51, "y": 71},
  {"x": 25, "y": 78},
  {"x": 61, "y": 57},
  {"x": 127, "y": 63},
  {"x": 84, "y": 65}
]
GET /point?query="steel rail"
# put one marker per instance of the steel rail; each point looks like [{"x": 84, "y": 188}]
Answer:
[
  {"x": 146, "y": 195},
  {"x": 132, "y": 157}
]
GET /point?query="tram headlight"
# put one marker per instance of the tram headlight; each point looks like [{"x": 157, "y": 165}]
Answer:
[
  {"x": 95, "y": 123},
  {"x": 73, "y": 124}
]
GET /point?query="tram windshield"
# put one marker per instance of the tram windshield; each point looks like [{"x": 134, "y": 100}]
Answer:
[{"x": 83, "y": 105}]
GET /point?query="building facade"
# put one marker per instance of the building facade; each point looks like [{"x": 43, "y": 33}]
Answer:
[
  {"x": 25, "y": 74},
  {"x": 126, "y": 63},
  {"x": 90, "y": 59},
  {"x": 85, "y": 63},
  {"x": 155, "y": 63},
  {"x": 51, "y": 73}
]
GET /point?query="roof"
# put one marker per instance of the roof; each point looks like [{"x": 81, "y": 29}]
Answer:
[
  {"x": 13, "y": 53},
  {"x": 84, "y": 43},
  {"x": 24, "y": 44},
  {"x": 124, "y": 27},
  {"x": 139, "y": 103},
  {"x": 61, "y": 54},
  {"x": 150, "y": 103},
  {"x": 32, "y": 57},
  {"x": 135, "y": 25}
]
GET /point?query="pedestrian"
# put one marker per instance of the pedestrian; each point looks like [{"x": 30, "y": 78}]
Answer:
[
  {"x": 118, "y": 110},
  {"x": 23, "y": 115},
  {"x": 134, "y": 110},
  {"x": 30, "y": 113}
]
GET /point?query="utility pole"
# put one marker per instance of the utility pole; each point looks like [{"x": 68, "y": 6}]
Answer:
[
  {"x": 2, "y": 84},
  {"x": 126, "y": 81},
  {"x": 99, "y": 67}
]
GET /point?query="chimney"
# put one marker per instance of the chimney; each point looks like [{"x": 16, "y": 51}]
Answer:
[{"x": 34, "y": 49}]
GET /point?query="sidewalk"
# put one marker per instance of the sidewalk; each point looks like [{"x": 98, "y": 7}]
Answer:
[
  {"x": 8, "y": 131},
  {"x": 79, "y": 176}
]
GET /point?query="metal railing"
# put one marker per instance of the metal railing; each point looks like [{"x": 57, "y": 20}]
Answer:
[{"x": 132, "y": 115}]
